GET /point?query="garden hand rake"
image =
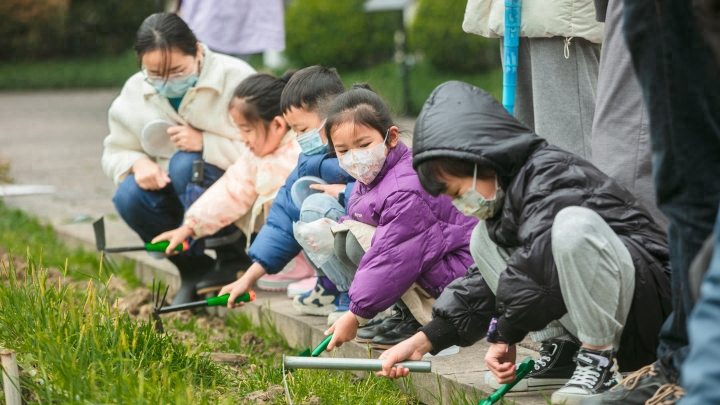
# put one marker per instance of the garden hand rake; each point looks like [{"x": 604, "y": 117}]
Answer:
[
  {"x": 160, "y": 308},
  {"x": 99, "y": 228}
]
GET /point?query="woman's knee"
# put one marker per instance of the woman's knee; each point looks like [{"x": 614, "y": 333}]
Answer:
[{"x": 128, "y": 196}]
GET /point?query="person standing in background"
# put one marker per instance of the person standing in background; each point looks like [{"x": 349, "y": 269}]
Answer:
[
  {"x": 621, "y": 131},
  {"x": 238, "y": 28},
  {"x": 557, "y": 66}
]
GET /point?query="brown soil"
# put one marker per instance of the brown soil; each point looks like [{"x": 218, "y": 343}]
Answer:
[{"x": 265, "y": 397}]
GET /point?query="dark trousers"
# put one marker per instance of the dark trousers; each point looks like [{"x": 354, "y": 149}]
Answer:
[{"x": 681, "y": 89}]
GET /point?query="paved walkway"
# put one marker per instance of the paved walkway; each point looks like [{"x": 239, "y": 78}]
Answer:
[{"x": 55, "y": 138}]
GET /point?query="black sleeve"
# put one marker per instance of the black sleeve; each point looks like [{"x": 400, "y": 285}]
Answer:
[{"x": 462, "y": 313}]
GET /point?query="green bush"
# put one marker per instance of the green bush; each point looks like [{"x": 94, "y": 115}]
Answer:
[
  {"x": 437, "y": 32},
  {"x": 37, "y": 29},
  {"x": 338, "y": 33}
]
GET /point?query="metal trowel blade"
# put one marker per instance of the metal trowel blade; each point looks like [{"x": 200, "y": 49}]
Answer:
[{"x": 99, "y": 228}]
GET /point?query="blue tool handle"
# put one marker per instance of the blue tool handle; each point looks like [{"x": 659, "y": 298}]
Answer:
[{"x": 510, "y": 52}]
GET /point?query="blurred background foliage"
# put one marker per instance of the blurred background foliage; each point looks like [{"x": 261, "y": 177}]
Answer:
[
  {"x": 41, "y": 29},
  {"x": 53, "y": 44}
]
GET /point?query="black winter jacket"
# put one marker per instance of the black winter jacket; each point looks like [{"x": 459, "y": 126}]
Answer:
[{"x": 463, "y": 122}]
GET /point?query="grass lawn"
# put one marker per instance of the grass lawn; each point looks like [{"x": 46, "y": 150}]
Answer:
[{"x": 113, "y": 71}]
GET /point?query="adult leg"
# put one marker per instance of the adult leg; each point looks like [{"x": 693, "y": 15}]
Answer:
[
  {"x": 597, "y": 281},
  {"x": 621, "y": 129},
  {"x": 700, "y": 373},
  {"x": 564, "y": 91},
  {"x": 150, "y": 213},
  {"x": 681, "y": 89}
]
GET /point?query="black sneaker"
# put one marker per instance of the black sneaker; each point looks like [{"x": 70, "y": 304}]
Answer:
[
  {"x": 552, "y": 370},
  {"x": 639, "y": 387},
  {"x": 596, "y": 372}
]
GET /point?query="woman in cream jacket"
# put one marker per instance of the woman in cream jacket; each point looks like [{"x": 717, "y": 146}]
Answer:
[
  {"x": 166, "y": 117},
  {"x": 244, "y": 193},
  {"x": 557, "y": 65}
]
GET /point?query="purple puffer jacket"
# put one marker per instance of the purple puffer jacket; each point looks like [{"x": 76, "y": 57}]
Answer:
[{"x": 419, "y": 238}]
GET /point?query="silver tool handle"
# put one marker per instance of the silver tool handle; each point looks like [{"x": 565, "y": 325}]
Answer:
[{"x": 326, "y": 363}]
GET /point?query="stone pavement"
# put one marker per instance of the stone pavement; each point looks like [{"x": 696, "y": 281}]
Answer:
[{"x": 55, "y": 138}]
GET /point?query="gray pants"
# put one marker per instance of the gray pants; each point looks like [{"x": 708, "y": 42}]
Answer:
[
  {"x": 595, "y": 270},
  {"x": 555, "y": 96},
  {"x": 620, "y": 134}
]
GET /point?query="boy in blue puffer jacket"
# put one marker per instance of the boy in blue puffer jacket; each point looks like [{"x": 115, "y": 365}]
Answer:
[{"x": 275, "y": 245}]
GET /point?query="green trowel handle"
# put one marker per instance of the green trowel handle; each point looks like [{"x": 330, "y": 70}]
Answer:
[
  {"x": 163, "y": 245},
  {"x": 522, "y": 370},
  {"x": 322, "y": 346},
  {"x": 222, "y": 300}
]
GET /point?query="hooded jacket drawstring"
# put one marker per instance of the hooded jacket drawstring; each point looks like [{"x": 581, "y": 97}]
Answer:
[{"x": 567, "y": 47}]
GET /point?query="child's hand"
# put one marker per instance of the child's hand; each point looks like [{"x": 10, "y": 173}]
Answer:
[
  {"x": 411, "y": 349},
  {"x": 333, "y": 190},
  {"x": 235, "y": 289},
  {"x": 175, "y": 237},
  {"x": 500, "y": 359},
  {"x": 344, "y": 329}
]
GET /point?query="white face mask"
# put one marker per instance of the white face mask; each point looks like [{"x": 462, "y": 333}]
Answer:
[
  {"x": 472, "y": 204},
  {"x": 364, "y": 164}
]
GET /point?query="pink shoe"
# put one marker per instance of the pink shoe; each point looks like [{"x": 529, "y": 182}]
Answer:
[
  {"x": 296, "y": 270},
  {"x": 301, "y": 287}
]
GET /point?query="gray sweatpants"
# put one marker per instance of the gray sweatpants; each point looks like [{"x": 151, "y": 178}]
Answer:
[
  {"x": 620, "y": 134},
  {"x": 595, "y": 270},
  {"x": 555, "y": 96}
]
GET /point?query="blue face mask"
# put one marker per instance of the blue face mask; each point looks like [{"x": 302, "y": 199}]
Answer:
[
  {"x": 175, "y": 88},
  {"x": 311, "y": 142}
]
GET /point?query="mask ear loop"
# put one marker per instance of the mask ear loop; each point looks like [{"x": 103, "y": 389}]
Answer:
[{"x": 475, "y": 177}]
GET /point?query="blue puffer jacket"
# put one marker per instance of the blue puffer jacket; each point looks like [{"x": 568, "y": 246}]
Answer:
[{"x": 275, "y": 244}]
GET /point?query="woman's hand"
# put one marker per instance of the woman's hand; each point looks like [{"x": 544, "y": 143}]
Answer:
[
  {"x": 410, "y": 349},
  {"x": 186, "y": 138},
  {"x": 344, "y": 329},
  {"x": 500, "y": 359},
  {"x": 148, "y": 175},
  {"x": 333, "y": 190},
  {"x": 175, "y": 237},
  {"x": 240, "y": 287}
]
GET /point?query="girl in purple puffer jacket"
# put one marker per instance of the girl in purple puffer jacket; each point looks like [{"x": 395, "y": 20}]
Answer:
[{"x": 417, "y": 244}]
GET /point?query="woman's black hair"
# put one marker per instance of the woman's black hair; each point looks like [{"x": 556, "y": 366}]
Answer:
[
  {"x": 258, "y": 96},
  {"x": 165, "y": 31},
  {"x": 361, "y": 106},
  {"x": 430, "y": 172},
  {"x": 309, "y": 86}
]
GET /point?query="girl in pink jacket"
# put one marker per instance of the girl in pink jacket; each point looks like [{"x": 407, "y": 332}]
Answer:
[{"x": 244, "y": 193}]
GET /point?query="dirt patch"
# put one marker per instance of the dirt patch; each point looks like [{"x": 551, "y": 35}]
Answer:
[
  {"x": 265, "y": 397},
  {"x": 133, "y": 303},
  {"x": 313, "y": 401}
]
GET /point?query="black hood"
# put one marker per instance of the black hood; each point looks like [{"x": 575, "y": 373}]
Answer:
[{"x": 464, "y": 122}]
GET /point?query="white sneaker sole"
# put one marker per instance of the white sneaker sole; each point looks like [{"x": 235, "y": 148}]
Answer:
[
  {"x": 313, "y": 310},
  {"x": 532, "y": 384},
  {"x": 561, "y": 398}
]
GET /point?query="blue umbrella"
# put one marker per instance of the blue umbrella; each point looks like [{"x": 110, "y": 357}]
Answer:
[{"x": 510, "y": 53}]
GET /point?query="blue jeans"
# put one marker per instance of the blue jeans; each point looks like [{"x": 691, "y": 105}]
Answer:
[
  {"x": 318, "y": 206},
  {"x": 152, "y": 212},
  {"x": 681, "y": 89},
  {"x": 700, "y": 372}
]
